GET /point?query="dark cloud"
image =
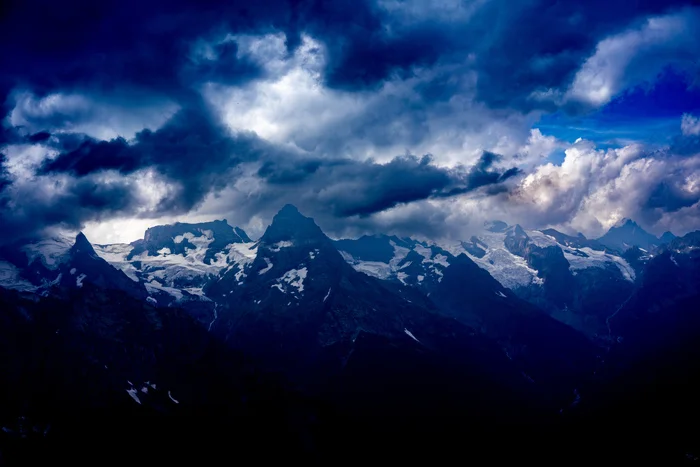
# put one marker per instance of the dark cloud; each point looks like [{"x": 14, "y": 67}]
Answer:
[
  {"x": 540, "y": 44},
  {"x": 40, "y": 206},
  {"x": 192, "y": 151},
  {"x": 39, "y": 137},
  {"x": 669, "y": 198},
  {"x": 130, "y": 44},
  {"x": 354, "y": 188},
  {"x": 133, "y": 55}
]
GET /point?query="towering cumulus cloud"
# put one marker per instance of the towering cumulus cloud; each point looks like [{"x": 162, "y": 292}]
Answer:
[{"x": 421, "y": 118}]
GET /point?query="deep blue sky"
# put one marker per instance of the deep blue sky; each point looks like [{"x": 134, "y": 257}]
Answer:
[
  {"x": 646, "y": 113},
  {"x": 396, "y": 116}
]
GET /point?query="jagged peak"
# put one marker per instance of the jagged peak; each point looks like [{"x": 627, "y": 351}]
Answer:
[
  {"x": 82, "y": 244},
  {"x": 625, "y": 221},
  {"x": 289, "y": 224},
  {"x": 289, "y": 210},
  {"x": 516, "y": 230}
]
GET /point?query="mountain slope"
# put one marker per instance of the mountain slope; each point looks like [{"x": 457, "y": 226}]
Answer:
[
  {"x": 41, "y": 265},
  {"x": 302, "y": 308},
  {"x": 78, "y": 360}
]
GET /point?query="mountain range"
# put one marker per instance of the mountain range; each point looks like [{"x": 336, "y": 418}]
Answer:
[{"x": 321, "y": 344}]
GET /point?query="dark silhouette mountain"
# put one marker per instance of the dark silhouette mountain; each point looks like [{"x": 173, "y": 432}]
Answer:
[
  {"x": 548, "y": 351},
  {"x": 79, "y": 361},
  {"x": 313, "y": 356},
  {"x": 666, "y": 237},
  {"x": 627, "y": 234}
]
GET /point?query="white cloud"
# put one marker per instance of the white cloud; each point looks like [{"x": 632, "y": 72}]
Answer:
[
  {"x": 101, "y": 119},
  {"x": 537, "y": 148},
  {"x": 592, "y": 189},
  {"x": 632, "y": 57},
  {"x": 690, "y": 125},
  {"x": 291, "y": 105}
]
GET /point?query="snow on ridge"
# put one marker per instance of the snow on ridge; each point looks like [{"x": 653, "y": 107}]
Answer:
[
  {"x": 50, "y": 251},
  {"x": 399, "y": 254},
  {"x": 379, "y": 269},
  {"x": 599, "y": 259},
  {"x": 373, "y": 268},
  {"x": 154, "y": 286},
  {"x": 540, "y": 239},
  {"x": 239, "y": 254},
  {"x": 510, "y": 270}
]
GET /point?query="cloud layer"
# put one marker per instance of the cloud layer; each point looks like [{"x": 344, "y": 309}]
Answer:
[{"x": 371, "y": 115}]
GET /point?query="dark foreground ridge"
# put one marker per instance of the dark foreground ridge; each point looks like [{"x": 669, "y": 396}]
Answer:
[{"x": 309, "y": 359}]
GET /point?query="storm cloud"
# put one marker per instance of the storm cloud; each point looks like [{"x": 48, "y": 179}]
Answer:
[{"x": 154, "y": 110}]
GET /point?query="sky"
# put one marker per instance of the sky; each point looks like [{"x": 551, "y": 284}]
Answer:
[{"x": 405, "y": 117}]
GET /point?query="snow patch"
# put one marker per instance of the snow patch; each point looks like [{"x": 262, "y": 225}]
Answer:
[
  {"x": 401, "y": 276},
  {"x": 172, "y": 398},
  {"x": 72, "y": 271},
  {"x": 152, "y": 301},
  {"x": 79, "y": 280},
  {"x": 373, "y": 268},
  {"x": 279, "y": 245},
  {"x": 410, "y": 335},
  {"x": 501, "y": 294},
  {"x": 134, "y": 395},
  {"x": 327, "y": 295},
  {"x": 266, "y": 268},
  {"x": 295, "y": 278}
]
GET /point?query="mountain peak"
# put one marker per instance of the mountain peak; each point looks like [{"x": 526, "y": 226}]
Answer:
[
  {"x": 289, "y": 210},
  {"x": 667, "y": 237},
  {"x": 624, "y": 222},
  {"x": 625, "y": 234},
  {"x": 82, "y": 245},
  {"x": 290, "y": 224}
]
